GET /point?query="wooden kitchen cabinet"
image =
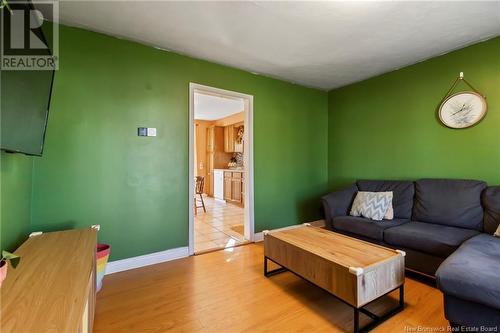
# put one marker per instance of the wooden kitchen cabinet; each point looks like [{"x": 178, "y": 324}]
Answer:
[
  {"x": 228, "y": 186},
  {"x": 210, "y": 139},
  {"x": 233, "y": 187},
  {"x": 216, "y": 157},
  {"x": 230, "y": 139},
  {"x": 236, "y": 190},
  {"x": 209, "y": 181}
]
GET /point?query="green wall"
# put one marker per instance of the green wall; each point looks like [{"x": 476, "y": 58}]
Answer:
[
  {"x": 386, "y": 127},
  {"x": 15, "y": 199},
  {"x": 96, "y": 170}
]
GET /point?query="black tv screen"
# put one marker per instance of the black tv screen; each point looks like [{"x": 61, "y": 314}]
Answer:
[
  {"x": 24, "y": 110},
  {"x": 25, "y": 99}
]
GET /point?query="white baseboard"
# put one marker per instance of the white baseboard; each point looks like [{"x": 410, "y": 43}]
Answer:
[
  {"x": 172, "y": 254},
  {"x": 146, "y": 260},
  {"x": 259, "y": 236}
]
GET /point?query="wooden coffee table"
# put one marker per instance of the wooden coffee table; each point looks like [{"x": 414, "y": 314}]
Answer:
[{"x": 354, "y": 271}]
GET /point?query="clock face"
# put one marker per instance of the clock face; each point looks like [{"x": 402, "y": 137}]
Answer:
[{"x": 462, "y": 110}]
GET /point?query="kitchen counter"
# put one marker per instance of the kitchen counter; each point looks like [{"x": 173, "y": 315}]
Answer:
[{"x": 232, "y": 170}]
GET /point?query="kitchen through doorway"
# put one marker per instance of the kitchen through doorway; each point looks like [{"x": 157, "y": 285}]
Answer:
[{"x": 221, "y": 169}]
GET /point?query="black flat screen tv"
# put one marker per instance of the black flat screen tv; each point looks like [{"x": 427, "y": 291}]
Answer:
[{"x": 25, "y": 100}]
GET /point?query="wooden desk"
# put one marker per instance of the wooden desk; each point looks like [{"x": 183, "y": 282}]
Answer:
[
  {"x": 354, "y": 271},
  {"x": 53, "y": 287}
]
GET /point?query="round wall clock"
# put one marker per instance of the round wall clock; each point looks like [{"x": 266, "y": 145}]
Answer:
[{"x": 462, "y": 110}]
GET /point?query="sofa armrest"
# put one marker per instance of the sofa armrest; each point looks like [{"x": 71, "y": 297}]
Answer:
[{"x": 338, "y": 203}]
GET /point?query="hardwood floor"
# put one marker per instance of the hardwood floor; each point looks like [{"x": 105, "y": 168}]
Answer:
[
  {"x": 226, "y": 291},
  {"x": 220, "y": 227}
]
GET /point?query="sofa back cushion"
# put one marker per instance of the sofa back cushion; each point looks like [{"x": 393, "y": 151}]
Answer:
[
  {"x": 338, "y": 203},
  {"x": 449, "y": 202},
  {"x": 403, "y": 192},
  {"x": 491, "y": 204}
]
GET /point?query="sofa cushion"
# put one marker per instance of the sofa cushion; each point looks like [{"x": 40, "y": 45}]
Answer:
[
  {"x": 365, "y": 227},
  {"x": 338, "y": 203},
  {"x": 449, "y": 202},
  {"x": 474, "y": 316},
  {"x": 403, "y": 192},
  {"x": 491, "y": 203},
  {"x": 472, "y": 272},
  {"x": 435, "y": 239}
]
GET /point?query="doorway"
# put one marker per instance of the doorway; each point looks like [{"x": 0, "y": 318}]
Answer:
[{"x": 220, "y": 169}]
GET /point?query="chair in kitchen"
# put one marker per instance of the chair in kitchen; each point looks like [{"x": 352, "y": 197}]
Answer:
[{"x": 198, "y": 192}]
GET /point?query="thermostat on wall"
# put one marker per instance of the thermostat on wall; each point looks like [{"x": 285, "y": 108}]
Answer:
[{"x": 146, "y": 131}]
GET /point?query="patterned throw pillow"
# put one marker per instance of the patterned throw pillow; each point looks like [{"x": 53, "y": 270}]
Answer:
[
  {"x": 372, "y": 205},
  {"x": 389, "y": 215}
]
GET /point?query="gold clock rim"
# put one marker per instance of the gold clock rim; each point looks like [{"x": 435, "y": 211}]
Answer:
[{"x": 483, "y": 100}]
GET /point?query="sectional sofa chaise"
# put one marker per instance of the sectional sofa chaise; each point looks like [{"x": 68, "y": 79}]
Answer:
[{"x": 446, "y": 228}]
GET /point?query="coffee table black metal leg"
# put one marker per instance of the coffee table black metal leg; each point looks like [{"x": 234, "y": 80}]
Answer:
[
  {"x": 402, "y": 296},
  {"x": 274, "y": 271},
  {"x": 378, "y": 319},
  {"x": 356, "y": 320}
]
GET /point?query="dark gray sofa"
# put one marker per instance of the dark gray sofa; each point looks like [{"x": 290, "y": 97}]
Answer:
[{"x": 445, "y": 227}]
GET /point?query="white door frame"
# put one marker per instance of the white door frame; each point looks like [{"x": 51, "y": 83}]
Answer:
[{"x": 247, "y": 158}]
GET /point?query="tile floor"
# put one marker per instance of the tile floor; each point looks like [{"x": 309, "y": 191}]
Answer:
[{"x": 220, "y": 227}]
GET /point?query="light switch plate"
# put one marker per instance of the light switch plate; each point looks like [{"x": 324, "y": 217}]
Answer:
[
  {"x": 146, "y": 131},
  {"x": 151, "y": 131}
]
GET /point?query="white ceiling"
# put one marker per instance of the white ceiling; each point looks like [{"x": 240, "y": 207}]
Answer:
[
  {"x": 212, "y": 107},
  {"x": 317, "y": 44}
]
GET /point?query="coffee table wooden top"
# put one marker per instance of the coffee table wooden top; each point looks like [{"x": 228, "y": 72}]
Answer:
[
  {"x": 341, "y": 249},
  {"x": 355, "y": 271}
]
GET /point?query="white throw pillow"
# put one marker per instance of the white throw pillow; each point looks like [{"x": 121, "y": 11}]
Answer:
[
  {"x": 497, "y": 233},
  {"x": 372, "y": 205},
  {"x": 389, "y": 215}
]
